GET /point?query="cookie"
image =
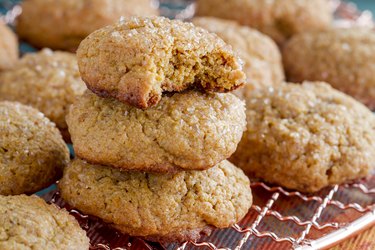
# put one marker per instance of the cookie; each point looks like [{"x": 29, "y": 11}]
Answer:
[
  {"x": 261, "y": 56},
  {"x": 63, "y": 24},
  {"x": 32, "y": 152},
  {"x": 137, "y": 59},
  {"x": 28, "y": 222},
  {"x": 189, "y": 130},
  {"x": 8, "y": 47},
  {"x": 345, "y": 58},
  {"x": 48, "y": 81},
  {"x": 280, "y": 19},
  {"x": 159, "y": 207},
  {"x": 306, "y": 137}
]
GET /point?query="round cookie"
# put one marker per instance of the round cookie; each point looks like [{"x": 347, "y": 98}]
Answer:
[
  {"x": 32, "y": 152},
  {"x": 48, "y": 81},
  {"x": 306, "y": 137},
  {"x": 189, "y": 130},
  {"x": 159, "y": 207},
  {"x": 8, "y": 47},
  {"x": 261, "y": 56},
  {"x": 28, "y": 222},
  {"x": 137, "y": 59},
  {"x": 280, "y": 19},
  {"x": 63, "y": 24},
  {"x": 345, "y": 58}
]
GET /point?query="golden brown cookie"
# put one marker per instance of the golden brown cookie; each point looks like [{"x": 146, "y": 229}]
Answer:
[
  {"x": 189, "y": 130},
  {"x": 32, "y": 152},
  {"x": 48, "y": 81},
  {"x": 8, "y": 47},
  {"x": 159, "y": 207},
  {"x": 28, "y": 222},
  {"x": 345, "y": 58},
  {"x": 63, "y": 24},
  {"x": 137, "y": 59},
  {"x": 280, "y": 19},
  {"x": 261, "y": 56},
  {"x": 306, "y": 137}
]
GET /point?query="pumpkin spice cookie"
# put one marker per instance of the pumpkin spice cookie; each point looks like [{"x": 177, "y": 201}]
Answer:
[
  {"x": 159, "y": 207},
  {"x": 28, "y": 222},
  {"x": 63, "y": 24},
  {"x": 8, "y": 47},
  {"x": 345, "y": 58},
  {"x": 32, "y": 152},
  {"x": 280, "y": 19},
  {"x": 306, "y": 137},
  {"x": 137, "y": 59},
  {"x": 48, "y": 81},
  {"x": 189, "y": 130}
]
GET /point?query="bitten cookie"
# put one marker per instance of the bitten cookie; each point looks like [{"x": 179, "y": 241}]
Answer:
[
  {"x": 63, "y": 24},
  {"x": 188, "y": 130},
  {"x": 280, "y": 19},
  {"x": 159, "y": 207},
  {"x": 32, "y": 152},
  {"x": 306, "y": 137},
  {"x": 261, "y": 56},
  {"x": 48, "y": 81},
  {"x": 8, "y": 47},
  {"x": 28, "y": 222},
  {"x": 345, "y": 58},
  {"x": 137, "y": 59}
]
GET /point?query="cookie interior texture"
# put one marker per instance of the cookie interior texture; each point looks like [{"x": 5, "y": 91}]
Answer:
[
  {"x": 189, "y": 130},
  {"x": 137, "y": 59},
  {"x": 306, "y": 137},
  {"x": 162, "y": 207},
  {"x": 28, "y": 222},
  {"x": 32, "y": 151}
]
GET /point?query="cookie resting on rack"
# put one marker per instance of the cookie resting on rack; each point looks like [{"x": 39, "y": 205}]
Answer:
[
  {"x": 306, "y": 137},
  {"x": 28, "y": 222},
  {"x": 137, "y": 59},
  {"x": 159, "y": 207},
  {"x": 189, "y": 130},
  {"x": 8, "y": 47}
]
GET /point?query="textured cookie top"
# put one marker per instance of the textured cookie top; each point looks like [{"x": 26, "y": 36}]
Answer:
[
  {"x": 63, "y": 24},
  {"x": 189, "y": 130},
  {"x": 159, "y": 206},
  {"x": 48, "y": 81},
  {"x": 306, "y": 137},
  {"x": 28, "y": 222},
  {"x": 8, "y": 47},
  {"x": 345, "y": 58},
  {"x": 137, "y": 59},
  {"x": 261, "y": 56},
  {"x": 32, "y": 152},
  {"x": 280, "y": 19}
]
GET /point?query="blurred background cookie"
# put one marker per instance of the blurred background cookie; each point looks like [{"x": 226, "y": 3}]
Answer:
[
  {"x": 159, "y": 207},
  {"x": 28, "y": 222},
  {"x": 280, "y": 19},
  {"x": 63, "y": 24},
  {"x": 188, "y": 130},
  {"x": 345, "y": 58},
  {"x": 32, "y": 152},
  {"x": 48, "y": 81},
  {"x": 306, "y": 137},
  {"x": 8, "y": 47}
]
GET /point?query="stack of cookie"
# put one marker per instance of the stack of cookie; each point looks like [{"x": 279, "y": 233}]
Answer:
[{"x": 143, "y": 112}]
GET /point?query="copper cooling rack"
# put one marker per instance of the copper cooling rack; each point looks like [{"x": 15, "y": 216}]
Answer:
[{"x": 279, "y": 218}]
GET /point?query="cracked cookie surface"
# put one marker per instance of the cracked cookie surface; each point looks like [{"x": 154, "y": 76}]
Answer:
[
  {"x": 28, "y": 222},
  {"x": 189, "y": 130},
  {"x": 161, "y": 207},
  {"x": 32, "y": 151},
  {"x": 306, "y": 137},
  {"x": 137, "y": 59},
  {"x": 8, "y": 47}
]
